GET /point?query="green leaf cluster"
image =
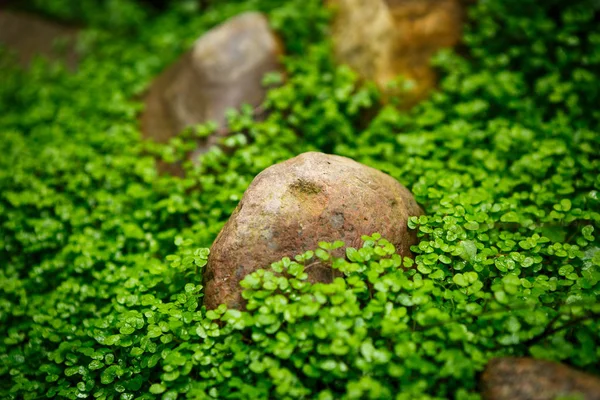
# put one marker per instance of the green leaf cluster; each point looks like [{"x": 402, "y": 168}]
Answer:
[{"x": 101, "y": 257}]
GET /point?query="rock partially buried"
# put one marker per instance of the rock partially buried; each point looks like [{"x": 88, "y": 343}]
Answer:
[
  {"x": 511, "y": 378},
  {"x": 381, "y": 39},
  {"x": 30, "y": 36},
  {"x": 291, "y": 206},
  {"x": 223, "y": 70}
]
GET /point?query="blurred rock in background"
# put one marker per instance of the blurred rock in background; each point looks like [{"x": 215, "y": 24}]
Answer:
[
  {"x": 223, "y": 70},
  {"x": 382, "y": 39},
  {"x": 512, "y": 378},
  {"x": 30, "y": 36}
]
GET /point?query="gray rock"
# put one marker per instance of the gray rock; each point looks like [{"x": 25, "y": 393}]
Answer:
[
  {"x": 291, "y": 206},
  {"x": 223, "y": 70}
]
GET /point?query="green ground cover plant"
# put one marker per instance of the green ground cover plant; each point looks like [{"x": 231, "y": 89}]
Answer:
[{"x": 101, "y": 257}]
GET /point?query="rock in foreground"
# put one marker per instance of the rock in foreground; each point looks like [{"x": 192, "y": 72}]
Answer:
[
  {"x": 510, "y": 378},
  {"x": 291, "y": 206},
  {"x": 384, "y": 38},
  {"x": 223, "y": 70}
]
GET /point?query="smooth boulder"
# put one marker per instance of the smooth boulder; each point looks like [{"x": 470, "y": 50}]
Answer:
[
  {"x": 289, "y": 207},
  {"x": 223, "y": 70},
  {"x": 512, "y": 378},
  {"x": 382, "y": 39}
]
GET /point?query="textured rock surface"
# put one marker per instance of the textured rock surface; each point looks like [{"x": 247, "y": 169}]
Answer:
[
  {"x": 291, "y": 206},
  {"x": 30, "y": 36},
  {"x": 384, "y": 38},
  {"x": 525, "y": 379},
  {"x": 223, "y": 70}
]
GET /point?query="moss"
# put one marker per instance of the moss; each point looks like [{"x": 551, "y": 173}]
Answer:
[{"x": 302, "y": 187}]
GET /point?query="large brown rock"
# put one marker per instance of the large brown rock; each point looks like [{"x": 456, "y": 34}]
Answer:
[
  {"x": 223, "y": 70},
  {"x": 291, "y": 206},
  {"x": 382, "y": 39},
  {"x": 511, "y": 378},
  {"x": 30, "y": 36}
]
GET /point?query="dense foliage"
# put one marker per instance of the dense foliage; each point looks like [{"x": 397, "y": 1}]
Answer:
[{"x": 101, "y": 289}]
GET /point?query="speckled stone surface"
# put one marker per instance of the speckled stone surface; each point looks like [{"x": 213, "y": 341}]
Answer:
[{"x": 291, "y": 206}]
